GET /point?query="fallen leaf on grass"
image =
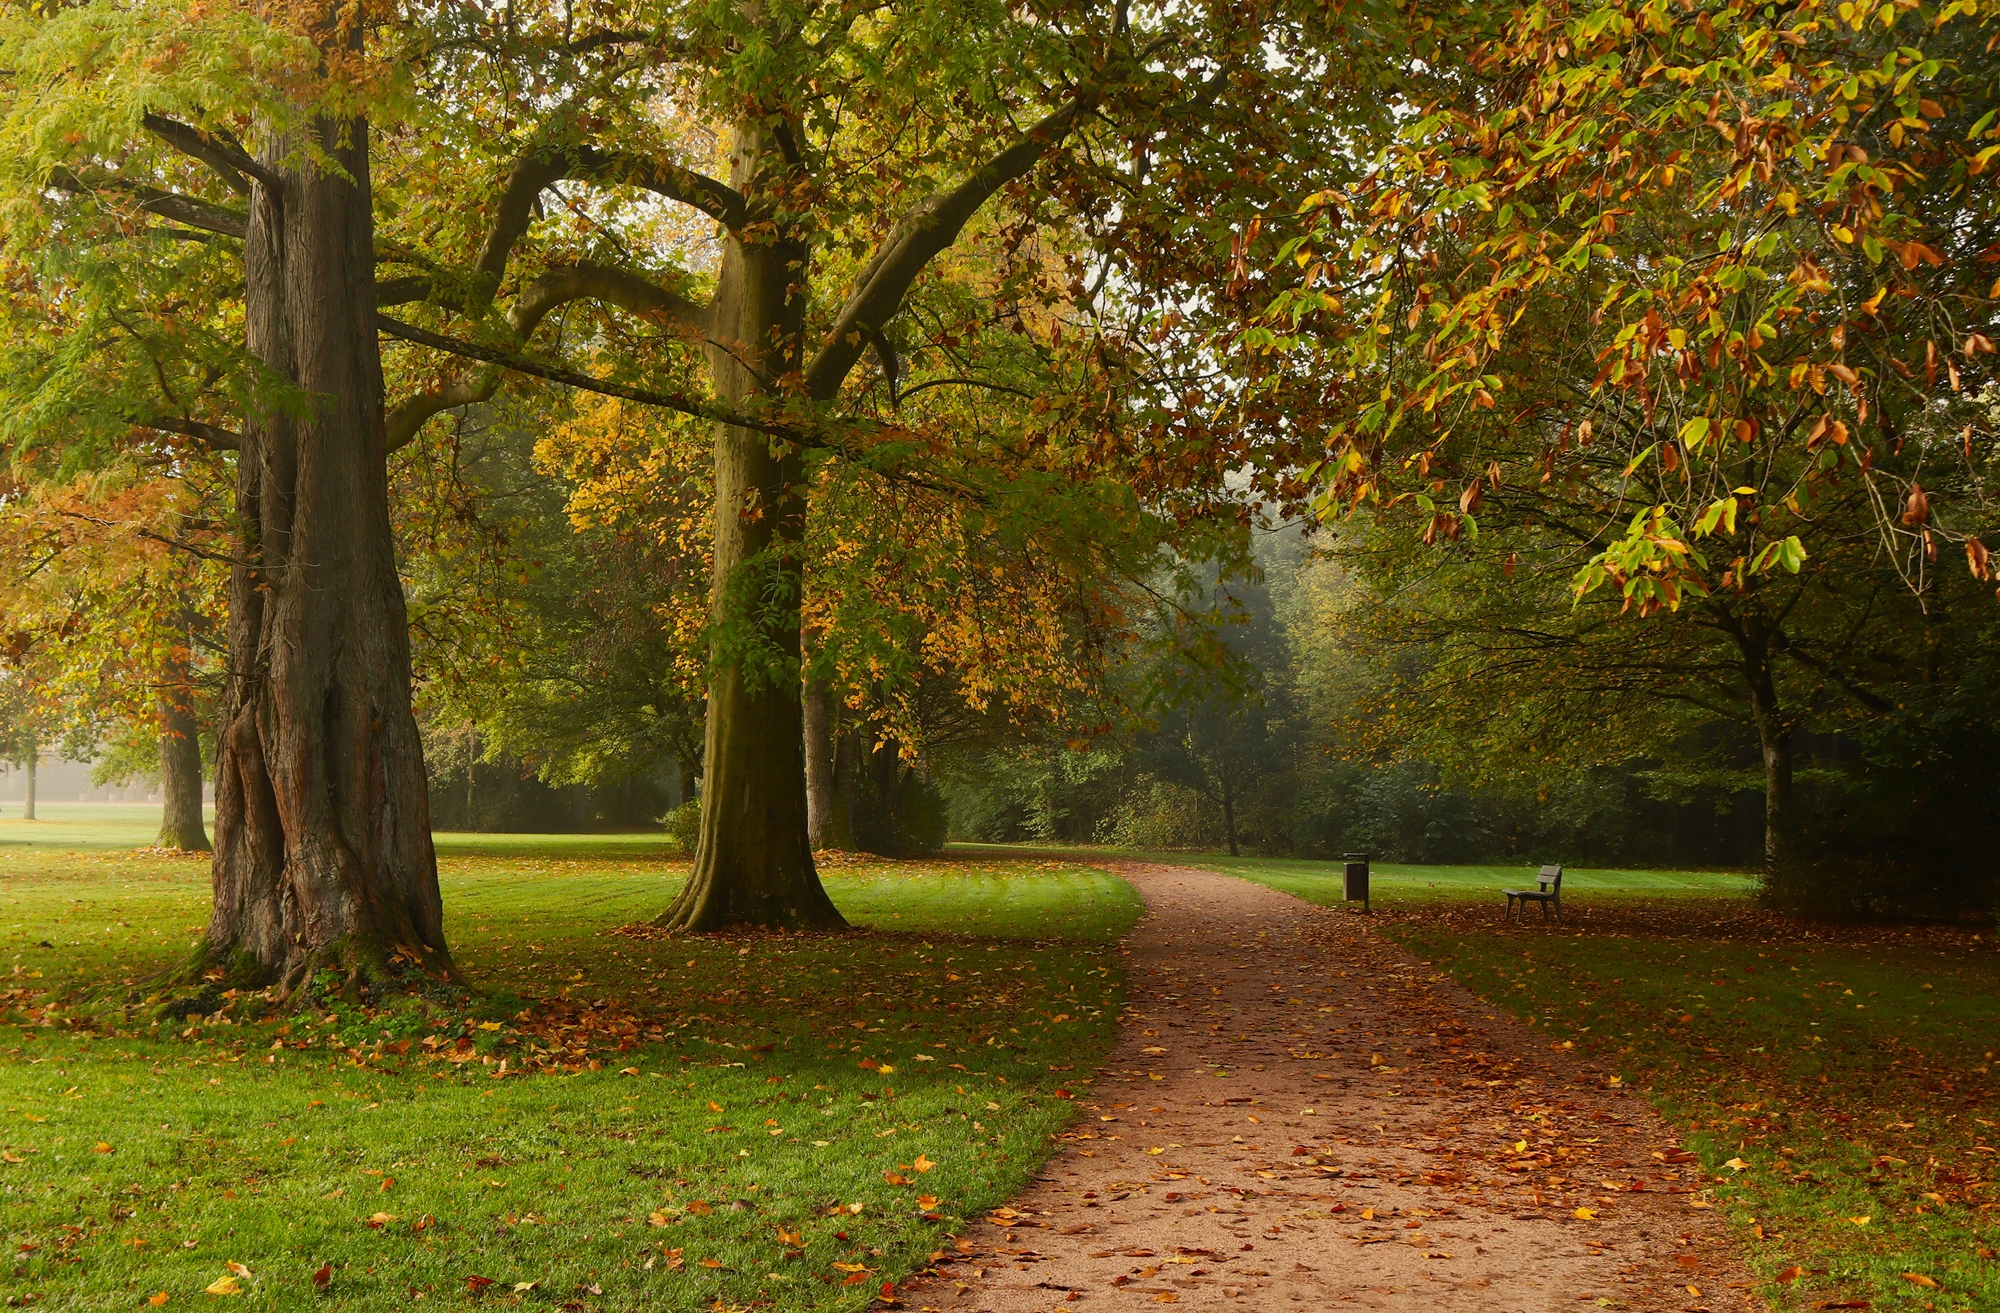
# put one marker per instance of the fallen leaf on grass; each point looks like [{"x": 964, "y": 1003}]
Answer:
[
  {"x": 927, "y": 1201},
  {"x": 101, "y": 1147},
  {"x": 1736, "y": 1164},
  {"x": 223, "y": 1286},
  {"x": 1787, "y": 1275},
  {"x": 158, "y": 1299},
  {"x": 1861, "y": 1221},
  {"x": 1919, "y": 1279},
  {"x": 923, "y": 1164},
  {"x": 474, "y": 1285},
  {"x": 323, "y": 1276},
  {"x": 380, "y": 1220},
  {"x": 238, "y": 1269}
]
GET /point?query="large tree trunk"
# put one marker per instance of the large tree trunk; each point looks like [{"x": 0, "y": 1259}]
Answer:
[
  {"x": 34, "y": 755},
  {"x": 181, "y": 823},
  {"x": 753, "y": 864},
  {"x": 323, "y": 852}
]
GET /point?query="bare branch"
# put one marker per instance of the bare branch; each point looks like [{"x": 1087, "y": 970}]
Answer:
[{"x": 928, "y": 229}]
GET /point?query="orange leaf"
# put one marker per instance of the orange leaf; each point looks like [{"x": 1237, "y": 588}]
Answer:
[{"x": 1787, "y": 1275}]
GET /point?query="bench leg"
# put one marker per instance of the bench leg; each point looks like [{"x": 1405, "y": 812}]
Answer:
[{"x": 1545, "y": 911}]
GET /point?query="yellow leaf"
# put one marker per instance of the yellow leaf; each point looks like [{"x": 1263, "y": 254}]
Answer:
[
  {"x": 1367, "y": 1214},
  {"x": 1156, "y": 1151},
  {"x": 923, "y": 1164},
  {"x": 1919, "y": 1279},
  {"x": 1861, "y": 1221},
  {"x": 887, "y": 1070},
  {"x": 1585, "y": 1214},
  {"x": 223, "y": 1286},
  {"x": 1520, "y": 1146},
  {"x": 1736, "y": 1164},
  {"x": 102, "y": 1147},
  {"x": 157, "y": 1298},
  {"x": 238, "y": 1269}
]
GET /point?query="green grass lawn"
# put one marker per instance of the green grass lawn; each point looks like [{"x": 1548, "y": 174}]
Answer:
[
  {"x": 630, "y": 1122},
  {"x": 1835, "y": 1080}
]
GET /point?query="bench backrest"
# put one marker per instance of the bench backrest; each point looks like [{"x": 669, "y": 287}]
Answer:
[{"x": 1552, "y": 876}]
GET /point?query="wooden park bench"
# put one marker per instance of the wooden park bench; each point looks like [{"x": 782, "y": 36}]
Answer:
[{"x": 1548, "y": 891}]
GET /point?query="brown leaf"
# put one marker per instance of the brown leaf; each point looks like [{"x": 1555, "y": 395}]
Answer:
[
  {"x": 1918, "y": 508},
  {"x": 1787, "y": 1275}
]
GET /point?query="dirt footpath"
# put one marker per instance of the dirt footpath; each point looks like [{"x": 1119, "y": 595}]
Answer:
[{"x": 1302, "y": 1115}]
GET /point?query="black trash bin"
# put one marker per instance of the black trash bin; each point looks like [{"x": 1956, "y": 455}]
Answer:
[{"x": 1357, "y": 879}]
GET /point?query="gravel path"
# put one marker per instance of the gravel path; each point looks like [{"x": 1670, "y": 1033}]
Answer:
[{"x": 1302, "y": 1115}]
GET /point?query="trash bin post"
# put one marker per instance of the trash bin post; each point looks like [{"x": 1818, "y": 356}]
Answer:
[{"x": 1357, "y": 879}]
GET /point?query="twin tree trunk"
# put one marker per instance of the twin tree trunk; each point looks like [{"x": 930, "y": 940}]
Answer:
[
  {"x": 753, "y": 863},
  {"x": 323, "y": 854}
]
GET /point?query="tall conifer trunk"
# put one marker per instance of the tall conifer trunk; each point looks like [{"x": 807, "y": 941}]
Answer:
[
  {"x": 753, "y": 864},
  {"x": 323, "y": 852}
]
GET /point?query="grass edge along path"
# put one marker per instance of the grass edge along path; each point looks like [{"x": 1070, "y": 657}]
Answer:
[
  {"x": 1832, "y": 1080},
  {"x": 786, "y": 1121}
]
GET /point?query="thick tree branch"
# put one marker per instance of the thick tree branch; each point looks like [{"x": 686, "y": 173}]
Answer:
[
  {"x": 168, "y": 205},
  {"x": 402, "y": 291},
  {"x": 405, "y": 419},
  {"x": 535, "y": 171},
  {"x": 210, "y": 436},
  {"x": 930, "y": 228},
  {"x": 570, "y": 378},
  {"x": 599, "y": 282},
  {"x": 537, "y": 299},
  {"x": 229, "y": 160}
]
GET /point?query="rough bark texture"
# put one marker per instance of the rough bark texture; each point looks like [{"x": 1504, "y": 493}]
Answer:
[
  {"x": 323, "y": 852},
  {"x": 181, "y": 823},
  {"x": 753, "y": 864}
]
